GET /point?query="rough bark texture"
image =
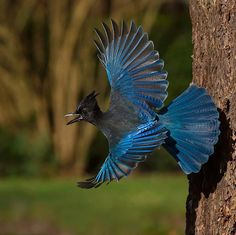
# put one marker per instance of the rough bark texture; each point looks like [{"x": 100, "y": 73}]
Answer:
[{"x": 211, "y": 203}]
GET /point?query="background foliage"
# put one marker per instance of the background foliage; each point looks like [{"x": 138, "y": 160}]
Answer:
[{"x": 48, "y": 63}]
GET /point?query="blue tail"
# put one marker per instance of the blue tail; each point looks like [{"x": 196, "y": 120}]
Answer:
[{"x": 192, "y": 121}]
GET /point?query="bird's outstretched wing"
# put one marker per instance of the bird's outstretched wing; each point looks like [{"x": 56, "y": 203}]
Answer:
[
  {"x": 126, "y": 155},
  {"x": 133, "y": 67}
]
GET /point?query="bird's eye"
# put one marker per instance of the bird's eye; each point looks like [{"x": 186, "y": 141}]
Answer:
[{"x": 78, "y": 111}]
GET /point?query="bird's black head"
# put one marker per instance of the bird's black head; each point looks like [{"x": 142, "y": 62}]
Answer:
[{"x": 87, "y": 110}]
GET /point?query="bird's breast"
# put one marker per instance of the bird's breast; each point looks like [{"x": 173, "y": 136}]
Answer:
[{"x": 115, "y": 125}]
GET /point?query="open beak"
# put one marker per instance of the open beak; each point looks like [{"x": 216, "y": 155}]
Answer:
[{"x": 77, "y": 118}]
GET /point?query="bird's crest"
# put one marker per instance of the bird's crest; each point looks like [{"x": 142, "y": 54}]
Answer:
[{"x": 88, "y": 100}]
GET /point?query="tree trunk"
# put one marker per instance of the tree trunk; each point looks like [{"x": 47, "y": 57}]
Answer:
[{"x": 211, "y": 203}]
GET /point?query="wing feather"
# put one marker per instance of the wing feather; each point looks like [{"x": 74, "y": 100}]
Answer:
[
  {"x": 126, "y": 155},
  {"x": 133, "y": 67}
]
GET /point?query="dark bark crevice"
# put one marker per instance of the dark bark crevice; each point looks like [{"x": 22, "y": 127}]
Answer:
[{"x": 205, "y": 182}]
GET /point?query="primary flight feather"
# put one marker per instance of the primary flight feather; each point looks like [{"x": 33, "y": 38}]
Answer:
[{"x": 135, "y": 123}]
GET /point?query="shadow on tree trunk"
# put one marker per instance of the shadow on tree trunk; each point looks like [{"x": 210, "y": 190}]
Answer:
[{"x": 205, "y": 182}]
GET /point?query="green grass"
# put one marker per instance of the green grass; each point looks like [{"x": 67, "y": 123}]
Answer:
[{"x": 139, "y": 205}]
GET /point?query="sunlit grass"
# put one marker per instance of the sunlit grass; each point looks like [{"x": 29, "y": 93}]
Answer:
[{"x": 138, "y": 205}]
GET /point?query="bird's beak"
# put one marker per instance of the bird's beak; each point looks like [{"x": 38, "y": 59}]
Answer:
[{"x": 77, "y": 118}]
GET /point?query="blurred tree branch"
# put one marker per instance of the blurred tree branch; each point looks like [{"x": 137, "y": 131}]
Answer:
[{"x": 47, "y": 63}]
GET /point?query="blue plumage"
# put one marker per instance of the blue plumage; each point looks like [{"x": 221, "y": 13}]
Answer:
[
  {"x": 133, "y": 66},
  {"x": 130, "y": 150},
  {"x": 188, "y": 127},
  {"x": 192, "y": 121}
]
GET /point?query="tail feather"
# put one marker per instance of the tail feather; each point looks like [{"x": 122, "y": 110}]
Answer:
[
  {"x": 199, "y": 107},
  {"x": 192, "y": 121},
  {"x": 194, "y": 94}
]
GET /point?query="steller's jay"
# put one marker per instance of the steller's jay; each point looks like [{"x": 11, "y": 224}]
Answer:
[{"x": 135, "y": 123}]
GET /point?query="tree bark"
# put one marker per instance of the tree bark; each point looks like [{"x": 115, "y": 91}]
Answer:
[{"x": 211, "y": 203}]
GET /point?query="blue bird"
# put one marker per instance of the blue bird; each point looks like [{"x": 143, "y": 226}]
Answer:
[{"x": 136, "y": 122}]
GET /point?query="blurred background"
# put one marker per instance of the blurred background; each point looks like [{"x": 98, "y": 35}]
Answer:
[{"x": 48, "y": 63}]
